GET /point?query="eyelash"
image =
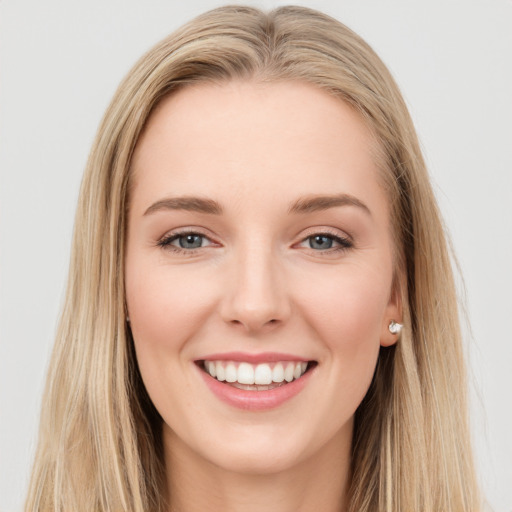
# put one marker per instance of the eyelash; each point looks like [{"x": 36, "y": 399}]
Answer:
[
  {"x": 167, "y": 240},
  {"x": 344, "y": 244}
]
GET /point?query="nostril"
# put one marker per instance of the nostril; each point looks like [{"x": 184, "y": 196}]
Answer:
[{"x": 252, "y": 324}]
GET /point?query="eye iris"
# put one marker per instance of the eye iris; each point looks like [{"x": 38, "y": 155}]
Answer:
[
  {"x": 190, "y": 241},
  {"x": 320, "y": 242}
]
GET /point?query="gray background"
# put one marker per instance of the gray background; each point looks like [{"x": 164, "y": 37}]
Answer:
[{"x": 60, "y": 62}]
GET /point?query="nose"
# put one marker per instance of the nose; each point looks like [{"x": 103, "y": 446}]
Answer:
[{"x": 256, "y": 299}]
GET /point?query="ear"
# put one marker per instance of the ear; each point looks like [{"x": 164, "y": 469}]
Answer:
[{"x": 393, "y": 312}]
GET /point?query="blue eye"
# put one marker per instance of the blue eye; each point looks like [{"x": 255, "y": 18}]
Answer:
[
  {"x": 189, "y": 241},
  {"x": 186, "y": 242},
  {"x": 320, "y": 242},
  {"x": 325, "y": 242}
]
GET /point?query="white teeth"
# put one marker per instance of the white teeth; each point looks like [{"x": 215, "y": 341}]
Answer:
[
  {"x": 278, "y": 373},
  {"x": 288, "y": 372},
  {"x": 231, "y": 373},
  {"x": 245, "y": 373},
  {"x": 261, "y": 375},
  {"x": 221, "y": 373}
]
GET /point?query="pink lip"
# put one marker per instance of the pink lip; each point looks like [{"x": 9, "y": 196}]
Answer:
[
  {"x": 263, "y": 357},
  {"x": 254, "y": 400}
]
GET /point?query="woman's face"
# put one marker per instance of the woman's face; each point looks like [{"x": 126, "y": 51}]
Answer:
[{"x": 259, "y": 244}]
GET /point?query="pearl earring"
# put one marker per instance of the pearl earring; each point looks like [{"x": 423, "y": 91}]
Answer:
[{"x": 395, "y": 327}]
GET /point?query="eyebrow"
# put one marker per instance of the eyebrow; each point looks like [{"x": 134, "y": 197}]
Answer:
[
  {"x": 315, "y": 203},
  {"x": 193, "y": 204},
  {"x": 308, "y": 204}
]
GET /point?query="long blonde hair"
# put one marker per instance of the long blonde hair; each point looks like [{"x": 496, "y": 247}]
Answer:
[{"x": 99, "y": 441}]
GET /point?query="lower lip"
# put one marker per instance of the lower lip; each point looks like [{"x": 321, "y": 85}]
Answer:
[{"x": 255, "y": 400}]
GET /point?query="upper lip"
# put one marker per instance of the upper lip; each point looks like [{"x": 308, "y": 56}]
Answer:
[{"x": 262, "y": 357}]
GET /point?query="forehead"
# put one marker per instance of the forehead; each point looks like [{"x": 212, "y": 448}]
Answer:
[{"x": 243, "y": 138}]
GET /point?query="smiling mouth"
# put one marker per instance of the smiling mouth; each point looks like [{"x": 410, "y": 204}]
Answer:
[{"x": 256, "y": 377}]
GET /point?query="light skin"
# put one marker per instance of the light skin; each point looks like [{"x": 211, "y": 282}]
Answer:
[{"x": 289, "y": 250}]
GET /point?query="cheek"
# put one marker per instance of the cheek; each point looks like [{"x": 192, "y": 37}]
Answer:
[
  {"x": 164, "y": 307},
  {"x": 164, "y": 313},
  {"x": 347, "y": 311},
  {"x": 165, "y": 310},
  {"x": 349, "y": 306}
]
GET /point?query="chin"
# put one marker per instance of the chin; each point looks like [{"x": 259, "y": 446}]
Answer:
[
  {"x": 264, "y": 458},
  {"x": 268, "y": 448}
]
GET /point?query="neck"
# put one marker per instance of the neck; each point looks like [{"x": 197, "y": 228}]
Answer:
[{"x": 317, "y": 483}]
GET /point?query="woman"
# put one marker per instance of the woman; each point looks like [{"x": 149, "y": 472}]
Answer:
[{"x": 261, "y": 310}]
